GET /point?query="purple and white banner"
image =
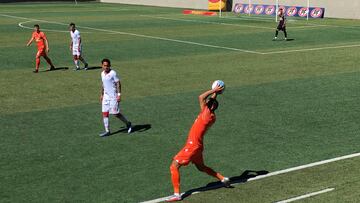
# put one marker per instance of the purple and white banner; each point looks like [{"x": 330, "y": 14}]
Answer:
[{"x": 296, "y": 11}]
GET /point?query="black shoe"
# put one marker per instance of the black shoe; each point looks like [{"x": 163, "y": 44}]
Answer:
[{"x": 35, "y": 71}]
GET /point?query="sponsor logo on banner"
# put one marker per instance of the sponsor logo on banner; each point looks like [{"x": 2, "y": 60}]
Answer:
[
  {"x": 248, "y": 9},
  {"x": 269, "y": 10},
  {"x": 282, "y": 7},
  {"x": 303, "y": 12},
  {"x": 296, "y": 11},
  {"x": 291, "y": 11},
  {"x": 259, "y": 9},
  {"x": 238, "y": 8},
  {"x": 316, "y": 13}
]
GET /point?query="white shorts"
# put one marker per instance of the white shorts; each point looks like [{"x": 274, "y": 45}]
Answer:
[
  {"x": 76, "y": 51},
  {"x": 110, "y": 105}
]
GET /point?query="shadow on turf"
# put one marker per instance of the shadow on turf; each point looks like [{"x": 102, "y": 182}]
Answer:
[
  {"x": 94, "y": 67},
  {"x": 291, "y": 39},
  {"x": 67, "y": 68},
  {"x": 135, "y": 128},
  {"x": 244, "y": 177},
  {"x": 57, "y": 68}
]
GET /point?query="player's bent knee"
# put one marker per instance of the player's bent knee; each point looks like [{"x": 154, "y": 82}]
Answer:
[
  {"x": 200, "y": 167},
  {"x": 105, "y": 114},
  {"x": 174, "y": 165}
]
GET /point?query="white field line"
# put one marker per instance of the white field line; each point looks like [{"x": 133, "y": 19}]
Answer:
[
  {"x": 335, "y": 26},
  {"x": 305, "y": 26},
  {"x": 312, "y": 49},
  {"x": 81, "y": 10},
  {"x": 206, "y": 22},
  {"x": 306, "y": 195},
  {"x": 50, "y": 30},
  {"x": 143, "y": 36},
  {"x": 281, "y": 172}
]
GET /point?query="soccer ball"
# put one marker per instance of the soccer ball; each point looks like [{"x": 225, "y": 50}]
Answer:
[{"x": 218, "y": 83}]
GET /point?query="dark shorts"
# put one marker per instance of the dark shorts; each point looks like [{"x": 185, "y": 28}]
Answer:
[{"x": 281, "y": 26}]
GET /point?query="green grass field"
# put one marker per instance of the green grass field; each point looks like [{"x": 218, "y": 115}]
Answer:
[{"x": 287, "y": 103}]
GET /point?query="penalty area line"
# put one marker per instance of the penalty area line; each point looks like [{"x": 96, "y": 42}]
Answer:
[
  {"x": 311, "y": 49},
  {"x": 280, "y": 172},
  {"x": 306, "y": 195},
  {"x": 21, "y": 24}
]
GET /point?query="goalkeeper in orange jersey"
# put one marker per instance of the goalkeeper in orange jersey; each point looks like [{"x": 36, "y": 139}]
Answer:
[
  {"x": 43, "y": 47},
  {"x": 193, "y": 149}
]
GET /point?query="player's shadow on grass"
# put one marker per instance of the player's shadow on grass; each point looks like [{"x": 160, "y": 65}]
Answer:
[
  {"x": 244, "y": 177},
  {"x": 94, "y": 67},
  {"x": 57, "y": 68},
  {"x": 135, "y": 128}
]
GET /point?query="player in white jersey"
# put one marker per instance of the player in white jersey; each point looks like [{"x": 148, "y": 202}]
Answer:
[
  {"x": 111, "y": 96},
  {"x": 75, "y": 47}
]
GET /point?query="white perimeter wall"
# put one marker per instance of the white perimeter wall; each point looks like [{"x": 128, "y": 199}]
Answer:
[
  {"x": 193, "y": 4},
  {"x": 333, "y": 8}
]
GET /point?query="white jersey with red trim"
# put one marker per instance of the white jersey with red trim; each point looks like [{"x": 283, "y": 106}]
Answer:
[
  {"x": 109, "y": 81},
  {"x": 75, "y": 37}
]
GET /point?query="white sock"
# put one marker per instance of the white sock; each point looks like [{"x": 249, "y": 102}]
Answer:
[
  {"x": 77, "y": 63},
  {"x": 176, "y": 194},
  {"x": 106, "y": 123}
]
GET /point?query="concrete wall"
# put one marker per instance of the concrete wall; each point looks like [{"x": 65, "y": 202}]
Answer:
[
  {"x": 333, "y": 8},
  {"x": 194, "y": 4},
  {"x": 15, "y": 1}
]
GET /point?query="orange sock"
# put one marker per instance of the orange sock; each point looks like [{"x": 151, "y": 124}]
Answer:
[
  {"x": 212, "y": 173},
  {"x": 175, "y": 178}
]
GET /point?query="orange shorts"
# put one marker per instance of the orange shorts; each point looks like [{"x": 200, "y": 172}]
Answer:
[
  {"x": 189, "y": 154},
  {"x": 41, "y": 52}
]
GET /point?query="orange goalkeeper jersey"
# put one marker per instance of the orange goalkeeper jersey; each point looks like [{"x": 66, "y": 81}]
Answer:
[
  {"x": 40, "y": 38},
  {"x": 202, "y": 123}
]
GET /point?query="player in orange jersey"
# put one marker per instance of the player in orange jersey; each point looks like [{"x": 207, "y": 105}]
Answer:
[
  {"x": 43, "y": 47},
  {"x": 192, "y": 151}
]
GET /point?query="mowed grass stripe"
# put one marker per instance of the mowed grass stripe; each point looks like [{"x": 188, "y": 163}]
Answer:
[
  {"x": 40, "y": 91},
  {"x": 277, "y": 111},
  {"x": 208, "y": 36},
  {"x": 264, "y": 127}
]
